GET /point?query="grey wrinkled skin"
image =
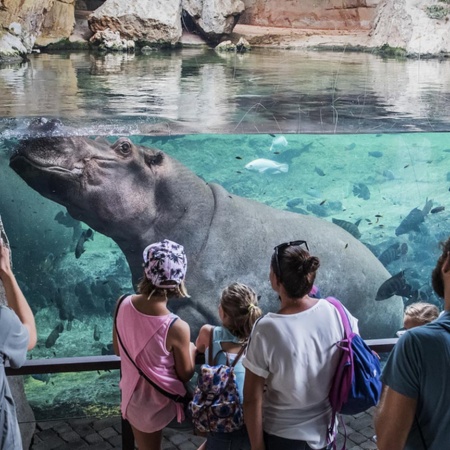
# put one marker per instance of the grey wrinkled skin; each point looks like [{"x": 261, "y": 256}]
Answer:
[{"x": 138, "y": 195}]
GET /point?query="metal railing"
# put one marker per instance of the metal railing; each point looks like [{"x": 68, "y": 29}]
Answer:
[{"x": 110, "y": 362}]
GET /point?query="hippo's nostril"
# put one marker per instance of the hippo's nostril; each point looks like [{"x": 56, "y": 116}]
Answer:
[{"x": 42, "y": 124}]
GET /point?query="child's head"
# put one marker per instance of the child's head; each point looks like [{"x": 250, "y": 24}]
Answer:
[
  {"x": 419, "y": 313},
  {"x": 165, "y": 266},
  {"x": 240, "y": 310}
]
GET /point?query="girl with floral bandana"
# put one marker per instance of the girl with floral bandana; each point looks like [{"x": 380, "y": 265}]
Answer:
[{"x": 149, "y": 337}]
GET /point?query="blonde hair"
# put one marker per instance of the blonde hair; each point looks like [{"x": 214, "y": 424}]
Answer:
[
  {"x": 422, "y": 312},
  {"x": 147, "y": 288},
  {"x": 240, "y": 303}
]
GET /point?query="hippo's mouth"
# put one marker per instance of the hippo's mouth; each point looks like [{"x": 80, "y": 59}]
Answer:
[{"x": 20, "y": 163}]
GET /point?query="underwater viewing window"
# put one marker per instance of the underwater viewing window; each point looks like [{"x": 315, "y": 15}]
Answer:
[{"x": 353, "y": 140}]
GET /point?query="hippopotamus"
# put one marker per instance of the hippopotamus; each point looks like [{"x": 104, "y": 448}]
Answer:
[{"x": 138, "y": 195}]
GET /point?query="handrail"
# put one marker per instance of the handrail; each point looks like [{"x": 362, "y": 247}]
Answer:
[{"x": 112, "y": 362}]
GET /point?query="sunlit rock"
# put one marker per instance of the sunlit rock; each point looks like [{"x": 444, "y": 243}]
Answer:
[
  {"x": 214, "y": 19},
  {"x": 225, "y": 46},
  {"x": 147, "y": 21},
  {"x": 111, "y": 41},
  {"x": 419, "y": 27},
  {"x": 58, "y": 24},
  {"x": 17, "y": 42}
]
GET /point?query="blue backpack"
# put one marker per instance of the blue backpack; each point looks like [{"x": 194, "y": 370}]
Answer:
[{"x": 356, "y": 385}]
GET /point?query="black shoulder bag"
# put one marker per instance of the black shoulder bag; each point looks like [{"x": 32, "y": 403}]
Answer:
[{"x": 176, "y": 398}]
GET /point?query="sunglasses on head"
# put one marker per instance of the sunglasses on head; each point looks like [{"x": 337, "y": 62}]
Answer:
[{"x": 279, "y": 248}]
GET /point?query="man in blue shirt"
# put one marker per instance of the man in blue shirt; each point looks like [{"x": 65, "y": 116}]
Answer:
[
  {"x": 414, "y": 411},
  {"x": 17, "y": 335}
]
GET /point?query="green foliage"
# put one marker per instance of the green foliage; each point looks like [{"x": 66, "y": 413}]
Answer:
[
  {"x": 438, "y": 11},
  {"x": 393, "y": 52}
]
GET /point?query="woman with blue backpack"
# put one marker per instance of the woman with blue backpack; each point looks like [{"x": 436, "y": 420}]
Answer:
[
  {"x": 291, "y": 359},
  {"x": 225, "y": 345}
]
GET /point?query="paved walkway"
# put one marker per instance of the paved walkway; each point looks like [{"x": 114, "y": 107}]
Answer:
[{"x": 102, "y": 434}]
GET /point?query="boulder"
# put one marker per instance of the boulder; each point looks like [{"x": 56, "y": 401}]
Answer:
[
  {"x": 24, "y": 412},
  {"x": 108, "y": 40},
  {"x": 58, "y": 23},
  {"x": 145, "y": 21},
  {"x": 30, "y": 17},
  {"x": 418, "y": 27},
  {"x": 214, "y": 19}
]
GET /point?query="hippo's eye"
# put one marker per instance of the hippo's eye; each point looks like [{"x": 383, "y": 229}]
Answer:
[{"x": 125, "y": 148}]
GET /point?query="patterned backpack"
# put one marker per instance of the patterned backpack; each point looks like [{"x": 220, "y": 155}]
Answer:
[{"x": 216, "y": 405}]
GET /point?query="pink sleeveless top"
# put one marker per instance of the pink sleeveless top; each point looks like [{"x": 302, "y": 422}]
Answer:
[{"x": 144, "y": 337}]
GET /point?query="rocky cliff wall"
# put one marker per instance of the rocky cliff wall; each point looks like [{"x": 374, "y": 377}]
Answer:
[{"x": 311, "y": 14}]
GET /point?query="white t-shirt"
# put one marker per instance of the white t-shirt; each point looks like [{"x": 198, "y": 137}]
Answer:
[{"x": 297, "y": 355}]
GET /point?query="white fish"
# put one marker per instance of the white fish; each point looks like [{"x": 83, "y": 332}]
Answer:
[
  {"x": 279, "y": 141},
  {"x": 266, "y": 166}
]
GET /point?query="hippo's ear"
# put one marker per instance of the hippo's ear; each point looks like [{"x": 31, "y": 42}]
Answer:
[{"x": 154, "y": 159}]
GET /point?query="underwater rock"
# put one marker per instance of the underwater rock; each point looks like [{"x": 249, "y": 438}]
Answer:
[{"x": 226, "y": 237}]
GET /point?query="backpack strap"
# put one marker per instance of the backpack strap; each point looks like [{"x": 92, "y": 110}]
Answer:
[
  {"x": 331, "y": 437},
  {"x": 212, "y": 360},
  {"x": 175, "y": 397},
  {"x": 345, "y": 322}
]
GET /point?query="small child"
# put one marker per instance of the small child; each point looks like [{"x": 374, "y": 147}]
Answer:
[
  {"x": 148, "y": 336},
  {"x": 419, "y": 313},
  {"x": 238, "y": 311}
]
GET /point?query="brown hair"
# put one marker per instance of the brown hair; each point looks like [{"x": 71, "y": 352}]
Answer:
[
  {"x": 240, "y": 303},
  {"x": 422, "y": 312},
  {"x": 436, "y": 275},
  {"x": 147, "y": 288},
  {"x": 298, "y": 269}
]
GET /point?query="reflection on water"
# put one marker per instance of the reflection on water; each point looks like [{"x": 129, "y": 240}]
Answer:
[
  {"x": 338, "y": 114},
  {"x": 201, "y": 91}
]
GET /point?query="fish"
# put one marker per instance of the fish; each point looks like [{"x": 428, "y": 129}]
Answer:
[
  {"x": 350, "y": 146},
  {"x": 319, "y": 171},
  {"x": 54, "y": 335},
  {"x": 396, "y": 285},
  {"x": 360, "y": 190},
  {"x": 267, "y": 166},
  {"x": 86, "y": 235},
  {"x": 393, "y": 252},
  {"x": 437, "y": 209},
  {"x": 413, "y": 220},
  {"x": 96, "y": 333},
  {"x": 351, "y": 228},
  {"x": 376, "y": 154},
  {"x": 277, "y": 142}
]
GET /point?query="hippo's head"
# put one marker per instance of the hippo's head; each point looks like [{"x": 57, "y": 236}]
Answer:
[{"x": 87, "y": 175}]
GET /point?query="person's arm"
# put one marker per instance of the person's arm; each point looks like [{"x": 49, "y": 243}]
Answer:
[
  {"x": 393, "y": 419},
  {"x": 14, "y": 296},
  {"x": 253, "y": 399},
  {"x": 178, "y": 341},
  {"x": 203, "y": 339}
]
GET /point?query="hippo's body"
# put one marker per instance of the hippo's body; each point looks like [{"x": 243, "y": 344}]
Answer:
[{"x": 137, "y": 196}]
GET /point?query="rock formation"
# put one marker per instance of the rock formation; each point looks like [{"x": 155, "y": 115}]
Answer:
[
  {"x": 419, "y": 27},
  {"x": 58, "y": 23},
  {"x": 214, "y": 19},
  {"x": 146, "y": 21}
]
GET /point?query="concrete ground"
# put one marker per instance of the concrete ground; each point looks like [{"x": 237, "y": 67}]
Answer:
[{"x": 102, "y": 434}]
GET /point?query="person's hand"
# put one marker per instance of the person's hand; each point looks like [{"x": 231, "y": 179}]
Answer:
[{"x": 5, "y": 265}]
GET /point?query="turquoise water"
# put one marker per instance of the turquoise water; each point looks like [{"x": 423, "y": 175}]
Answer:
[{"x": 355, "y": 138}]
